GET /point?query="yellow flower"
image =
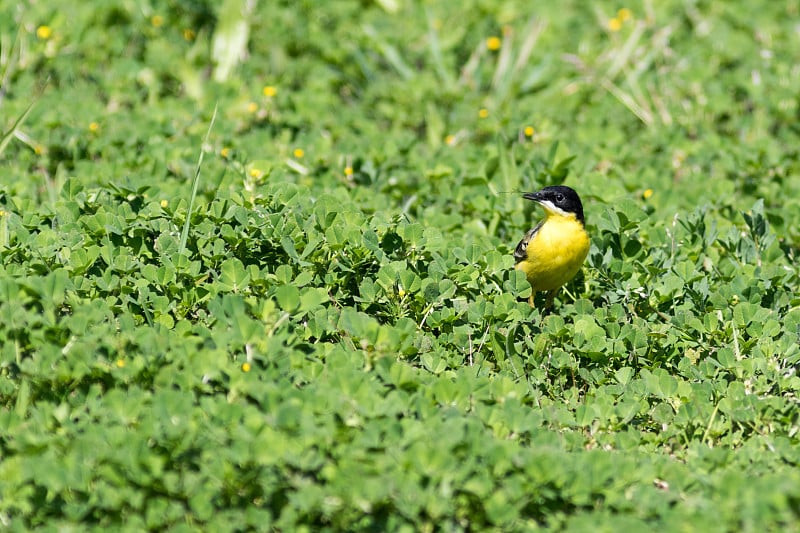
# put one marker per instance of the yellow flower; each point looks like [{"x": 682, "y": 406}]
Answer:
[
  {"x": 483, "y": 113},
  {"x": 299, "y": 153},
  {"x": 164, "y": 203},
  {"x": 225, "y": 152},
  {"x": 255, "y": 173},
  {"x": 493, "y": 43},
  {"x": 120, "y": 363},
  {"x": 529, "y": 131},
  {"x": 157, "y": 21},
  {"x": 94, "y": 127},
  {"x": 270, "y": 91},
  {"x": 44, "y": 32},
  {"x": 252, "y": 107},
  {"x": 624, "y": 14},
  {"x": 2, "y": 213},
  {"x": 246, "y": 367},
  {"x": 614, "y": 24},
  {"x": 348, "y": 171},
  {"x": 450, "y": 140},
  {"x": 189, "y": 34},
  {"x": 38, "y": 149},
  {"x": 647, "y": 194}
]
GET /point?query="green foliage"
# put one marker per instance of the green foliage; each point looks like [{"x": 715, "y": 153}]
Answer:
[{"x": 317, "y": 326}]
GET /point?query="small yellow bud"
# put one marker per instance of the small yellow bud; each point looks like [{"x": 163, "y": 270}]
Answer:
[
  {"x": 493, "y": 43},
  {"x": 647, "y": 194},
  {"x": 157, "y": 21},
  {"x": 483, "y": 113},
  {"x": 120, "y": 363},
  {"x": 614, "y": 24},
  {"x": 299, "y": 153},
  {"x": 529, "y": 131},
  {"x": 270, "y": 91},
  {"x": 44, "y": 32},
  {"x": 624, "y": 14},
  {"x": 246, "y": 367}
]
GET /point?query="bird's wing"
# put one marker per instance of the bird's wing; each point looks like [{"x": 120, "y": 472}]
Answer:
[{"x": 521, "y": 252}]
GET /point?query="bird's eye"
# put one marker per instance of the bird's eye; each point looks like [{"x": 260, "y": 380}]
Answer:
[{"x": 559, "y": 198}]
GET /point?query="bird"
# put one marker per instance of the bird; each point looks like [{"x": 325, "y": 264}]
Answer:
[{"x": 553, "y": 251}]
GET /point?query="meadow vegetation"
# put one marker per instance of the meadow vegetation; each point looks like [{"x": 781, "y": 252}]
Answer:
[{"x": 256, "y": 266}]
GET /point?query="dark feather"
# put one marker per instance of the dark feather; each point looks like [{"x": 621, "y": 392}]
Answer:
[{"x": 521, "y": 252}]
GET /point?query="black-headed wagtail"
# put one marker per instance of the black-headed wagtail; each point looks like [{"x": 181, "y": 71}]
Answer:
[{"x": 552, "y": 253}]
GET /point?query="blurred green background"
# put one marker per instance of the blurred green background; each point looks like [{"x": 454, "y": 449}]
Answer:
[{"x": 300, "y": 312}]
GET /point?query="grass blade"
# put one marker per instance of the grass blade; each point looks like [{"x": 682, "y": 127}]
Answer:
[
  {"x": 7, "y": 136},
  {"x": 195, "y": 184},
  {"x": 436, "y": 52},
  {"x": 390, "y": 53}
]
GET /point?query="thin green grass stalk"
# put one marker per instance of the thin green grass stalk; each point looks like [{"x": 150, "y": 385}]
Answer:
[
  {"x": 660, "y": 41},
  {"x": 6, "y": 66},
  {"x": 705, "y": 438},
  {"x": 435, "y": 131},
  {"x": 23, "y": 398},
  {"x": 502, "y": 73},
  {"x": 622, "y": 56},
  {"x": 6, "y": 52},
  {"x": 467, "y": 78},
  {"x": 620, "y": 61},
  {"x": 533, "y": 30},
  {"x": 6, "y": 70},
  {"x": 628, "y": 101},
  {"x": 509, "y": 69},
  {"x": 195, "y": 185},
  {"x": 635, "y": 99},
  {"x": 4, "y": 240},
  {"x": 13, "y": 131},
  {"x": 389, "y": 53},
  {"x": 229, "y": 43},
  {"x": 436, "y": 52}
]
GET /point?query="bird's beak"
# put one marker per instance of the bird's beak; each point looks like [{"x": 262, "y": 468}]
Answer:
[
  {"x": 540, "y": 199},
  {"x": 535, "y": 196}
]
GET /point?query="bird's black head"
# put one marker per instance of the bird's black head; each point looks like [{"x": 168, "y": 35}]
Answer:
[{"x": 558, "y": 199}]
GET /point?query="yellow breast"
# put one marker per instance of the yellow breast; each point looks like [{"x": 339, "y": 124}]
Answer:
[{"x": 556, "y": 253}]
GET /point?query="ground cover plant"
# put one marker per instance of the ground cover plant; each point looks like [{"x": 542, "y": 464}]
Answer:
[{"x": 257, "y": 266}]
